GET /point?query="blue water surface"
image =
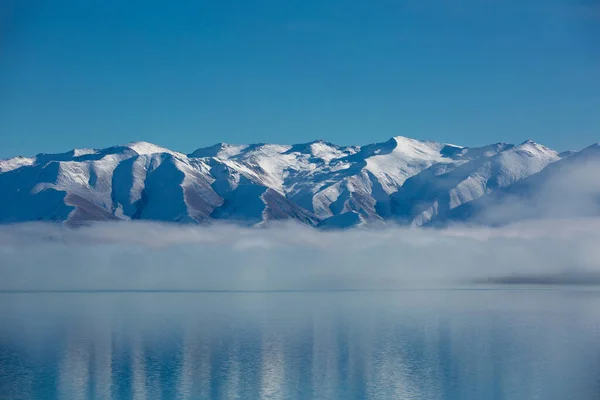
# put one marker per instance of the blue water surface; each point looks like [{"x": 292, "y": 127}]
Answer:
[{"x": 427, "y": 344}]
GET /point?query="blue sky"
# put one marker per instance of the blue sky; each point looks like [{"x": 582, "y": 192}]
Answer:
[{"x": 186, "y": 74}]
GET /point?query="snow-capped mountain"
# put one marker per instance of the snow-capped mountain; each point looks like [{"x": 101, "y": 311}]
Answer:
[
  {"x": 569, "y": 187},
  {"x": 319, "y": 183}
]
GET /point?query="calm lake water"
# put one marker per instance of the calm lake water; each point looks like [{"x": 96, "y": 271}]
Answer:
[{"x": 447, "y": 344}]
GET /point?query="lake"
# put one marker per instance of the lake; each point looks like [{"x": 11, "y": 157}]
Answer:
[{"x": 421, "y": 344}]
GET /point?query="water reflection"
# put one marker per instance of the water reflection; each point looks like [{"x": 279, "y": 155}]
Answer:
[{"x": 364, "y": 345}]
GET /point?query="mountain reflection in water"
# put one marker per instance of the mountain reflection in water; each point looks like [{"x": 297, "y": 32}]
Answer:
[{"x": 487, "y": 344}]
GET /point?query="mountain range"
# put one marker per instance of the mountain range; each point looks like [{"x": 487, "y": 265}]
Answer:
[{"x": 401, "y": 181}]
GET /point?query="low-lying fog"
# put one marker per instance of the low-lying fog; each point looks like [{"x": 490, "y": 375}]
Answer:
[{"x": 151, "y": 256}]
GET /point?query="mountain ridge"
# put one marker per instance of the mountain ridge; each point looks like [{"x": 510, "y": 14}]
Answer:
[{"x": 318, "y": 183}]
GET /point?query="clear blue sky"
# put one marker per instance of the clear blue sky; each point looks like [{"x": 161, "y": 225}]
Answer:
[{"x": 186, "y": 74}]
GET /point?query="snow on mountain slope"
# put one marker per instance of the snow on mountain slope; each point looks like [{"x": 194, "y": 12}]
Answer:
[
  {"x": 220, "y": 150},
  {"x": 20, "y": 202},
  {"x": 145, "y": 148},
  {"x": 138, "y": 180},
  {"x": 569, "y": 187},
  {"x": 14, "y": 163},
  {"x": 317, "y": 183},
  {"x": 360, "y": 179},
  {"x": 443, "y": 188},
  {"x": 175, "y": 190},
  {"x": 400, "y": 158}
]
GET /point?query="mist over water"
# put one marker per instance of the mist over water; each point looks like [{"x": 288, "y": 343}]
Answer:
[{"x": 150, "y": 256}]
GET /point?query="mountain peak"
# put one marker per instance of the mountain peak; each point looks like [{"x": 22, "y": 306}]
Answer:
[
  {"x": 10, "y": 164},
  {"x": 320, "y": 141},
  {"x": 404, "y": 139},
  {"x": 530, "y": 145},
  {"x": 144, "y": 148},
  {"x": 219, "y": 150}
]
